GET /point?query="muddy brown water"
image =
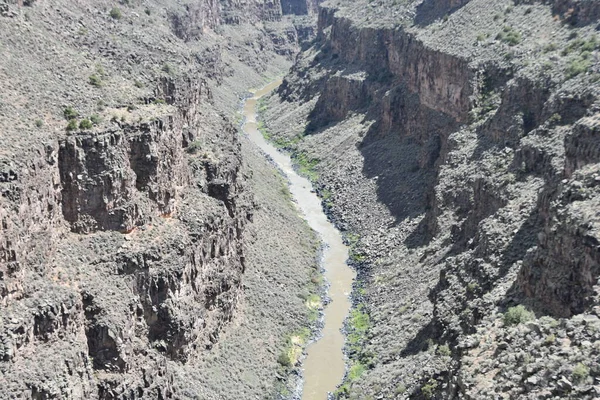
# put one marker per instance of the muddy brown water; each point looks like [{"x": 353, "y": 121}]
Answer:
[{"x": 324, "y": 365}]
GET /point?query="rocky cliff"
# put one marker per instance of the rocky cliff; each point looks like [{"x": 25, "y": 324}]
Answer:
[
  {"x": 130, "y": 261},
  {"x": 456, "y": 142}
]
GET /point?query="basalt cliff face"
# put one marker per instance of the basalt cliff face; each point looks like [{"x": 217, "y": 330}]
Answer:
[
  {"x": 457, "y": 142},
  {"x": 131, "y": 221}
]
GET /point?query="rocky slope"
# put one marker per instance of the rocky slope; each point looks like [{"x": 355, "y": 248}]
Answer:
[
  {"x": 133, "y": 255},
  {"x": 457, "y": 143}
]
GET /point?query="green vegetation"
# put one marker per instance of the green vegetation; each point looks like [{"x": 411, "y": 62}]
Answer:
[
  {"x": 550, "y": 47},
  {"x": 581, "y": 45},
  {"x": 138, "y": 84},
  {"x": 39, "y": 123},
  {"x": 400, "y": 389},
  {"x": 96, "y": 120},
  {"x": 358, "y": 325},
  {"x": 115, "y": 13},
  {"x": 313, "y": 303},
  {"x": 166, "y": 68},
  {"x": 194, "y": 147},
  {"x": 517, "y": 315},
  {"x": 554, "y": 119},
  {"x": 429, "y": 388},
  {"x": 580, "y": 373},
  {"x": 472, "y": 287},
  {"x": 355, "y": 254},
  {"x": 95, "y": 80},
  {"x": 509, "y": 36},
  {"x": 550, "y": 339},
  {"x": 72, "y": 125},
  {"x": 444, "y": 350},
  {"x": 280, "y": 143},
  {"x": 326, "y": 197},
  {"x": 356, "y": 371},
  {"x": 578, "y": 66},
  {"x": 306, "y": 165},
  {"x": 85, "y": 124},
  {"x": 70, "y": 113},
  {"x": 293, "y": 348}
]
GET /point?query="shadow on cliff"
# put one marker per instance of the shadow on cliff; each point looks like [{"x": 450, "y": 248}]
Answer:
[
  {"x": 430, "y": 10},
  {"x": 401, "y": 147},
  {"x": 401, "y": 152}
]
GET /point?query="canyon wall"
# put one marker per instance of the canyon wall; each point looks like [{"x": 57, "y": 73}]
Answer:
[
  {"x": 127, "y": 204},
  {"x": 458, "y": 147}
]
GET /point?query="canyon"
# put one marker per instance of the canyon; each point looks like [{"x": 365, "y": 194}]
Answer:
[{"x": 150, "y": 249}]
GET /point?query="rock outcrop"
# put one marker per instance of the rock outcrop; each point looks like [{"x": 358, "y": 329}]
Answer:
[
  {"x": 461, "y": 145},
  {"x": 127, "y": 206}
]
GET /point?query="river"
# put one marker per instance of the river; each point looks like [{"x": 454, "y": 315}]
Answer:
[{"x": 324, "y": 365}]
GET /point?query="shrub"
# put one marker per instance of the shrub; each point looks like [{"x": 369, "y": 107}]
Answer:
[
  {"x": 72, "y": 125},
  {"x": 70, "y": 113},
  {"x": 509, "y": 36},
  {"x": 444, "y": 350},
  {"x": 517, "y": 315},
  {"x": 194, "y": 147},
  {"x": 400, "y": 389},
  {"x": 472, "y": 287},
  {"x": 554, "y": 119},
  {"x": 284, "y": 360},
  {"x": 166, "y": 68},
  {"x": 590, "y": 45},
  {"x": 550, "y": 339},
  {"x": 95, "y": 119},
  {"x": 577, "y": 66},
  {"x": 85, "y": 124},
  {"x": 138, "y": 84},
  {"x": 429, "y": 388},
  {"x": 580, "y": 373},
  {"x": 115, "y": 13},
  {"x": 39, "y": 123},
  {"x": 95, "y": 80},
  {"x": 356, "y": 371}
]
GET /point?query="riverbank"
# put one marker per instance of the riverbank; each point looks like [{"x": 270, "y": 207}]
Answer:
[{"x": 324, "y": 365}]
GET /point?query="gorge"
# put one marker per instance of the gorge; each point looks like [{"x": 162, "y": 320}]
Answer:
[{"x": 150, "y": 249}]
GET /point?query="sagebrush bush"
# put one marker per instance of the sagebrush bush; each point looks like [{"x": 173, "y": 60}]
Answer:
[
  {"x": 115, "y": 13},
  {"x": 580, "y": 373},
  {"x": 70, "y": 113},
  {"x": 85, "y": 124},
  {"x": 517, "y": 315},
  {"x": 194, "y": 147},
  {"x": 72, "y": 125},
  {"x": 95, "y": 119},
  {"x": 578, "y": 66},
  {"x": 95, "y": 80}
]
